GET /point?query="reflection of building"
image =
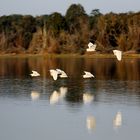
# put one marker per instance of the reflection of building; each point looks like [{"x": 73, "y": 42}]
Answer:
[
  {"x": 90, "y": 122},
  {"x": 117, "y": 122}
]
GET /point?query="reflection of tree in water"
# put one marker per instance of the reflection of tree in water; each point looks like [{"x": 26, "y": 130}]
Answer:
[
  {"x": 75, "y": 88},
  {"x": 102, "y": 69}
]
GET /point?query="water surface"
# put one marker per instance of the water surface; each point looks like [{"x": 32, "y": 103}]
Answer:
[{"x": 72, "y": 108}]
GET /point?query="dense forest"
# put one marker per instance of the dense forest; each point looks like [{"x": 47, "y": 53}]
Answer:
[{"x": 70, "y": 33}]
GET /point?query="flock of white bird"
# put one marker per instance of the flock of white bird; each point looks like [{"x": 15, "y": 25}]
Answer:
[
  {"x": 60, "y": 73},
  {"x": 87, "y": 97},
  {"x": 55, "y": 73}
]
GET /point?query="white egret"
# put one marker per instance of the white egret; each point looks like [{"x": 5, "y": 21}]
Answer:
[
  {"x": 117, "y": 121},
  {"x": 87, "y": 98},
  {"x": 35, "y": 95},
  {"x": 54, "y": 74},
  {"x": 118, "y": 54},
  {"x": 58, "y": 73},
  {"x": 91, "y": 47},
  {"x": 61, "y": 73},
  {"x": 87, "y": 75},
  {"x": 90, "y": 122},
  {"x": 34, "y": 73}
]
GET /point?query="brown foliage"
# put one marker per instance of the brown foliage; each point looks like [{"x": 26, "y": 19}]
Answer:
[{"x": 71, "y": 33}]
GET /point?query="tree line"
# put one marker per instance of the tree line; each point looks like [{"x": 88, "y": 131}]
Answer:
[{"x": 70, "y": 33}]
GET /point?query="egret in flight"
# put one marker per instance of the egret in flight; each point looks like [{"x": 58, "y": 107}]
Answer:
[
  {"x": 34, "y": 73},
  {"x": 91, "y": 47},
  {"x": 87, "y": 75},
  {"x": 118, "y": 54},
  {"x": 54, "y": 74},
  {"x": 58, "y": 73}
]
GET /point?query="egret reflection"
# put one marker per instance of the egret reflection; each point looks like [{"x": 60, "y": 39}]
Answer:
[
  {"x": 87, "y": 98},
  {"x": 63, "y": 91},
  {"x": 117, "y": 121},
  {"x": 56, "y": 96},
  {"x": 35, "y": 95},
  {"x": 91, "y": 122}
]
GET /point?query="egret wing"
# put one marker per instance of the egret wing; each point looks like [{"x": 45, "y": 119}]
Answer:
[{"x": 90, "y": 44}]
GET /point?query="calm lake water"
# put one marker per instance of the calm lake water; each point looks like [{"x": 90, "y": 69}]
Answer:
[{"x": 106, "y": 107}]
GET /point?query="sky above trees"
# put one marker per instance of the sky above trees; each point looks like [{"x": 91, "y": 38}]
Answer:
[{"x": 40, "y": 7}]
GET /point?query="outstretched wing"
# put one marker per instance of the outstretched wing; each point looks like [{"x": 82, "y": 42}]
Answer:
[
  {"x": 88, "y": 74},
  {"x": 35, "y": 73},
  {"x": 61, "y": 73},
  {"x": 54, "y": 74},
  {"x": 91, "y": 47},
  {"x": 118, "y": 54},
  {"x": 90, "y": 44}
]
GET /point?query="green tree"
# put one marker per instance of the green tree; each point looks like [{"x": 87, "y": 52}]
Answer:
[
  {"x": 93, "y": 18},
  {"x": 74, "y": 15},
  {"x": 55, "y": 23}
]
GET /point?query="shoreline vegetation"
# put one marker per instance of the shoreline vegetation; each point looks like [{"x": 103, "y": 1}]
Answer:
[
  {"x": 13, "y": 55},
  {"x": 57, "y": 35}
]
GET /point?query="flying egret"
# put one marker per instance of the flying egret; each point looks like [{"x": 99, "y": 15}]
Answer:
[
  {"x": 118, "y": 54},
  {"x": 91, "y": 47},
  {"x": 87, "y": 98},
  {"x": 34, "y": 73},
  {"x": 117, "y": 122},
  {"x": 61, "y": 73},
  {"x": 54, "y": 74},
  {"x": 87, "y": 75}
]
